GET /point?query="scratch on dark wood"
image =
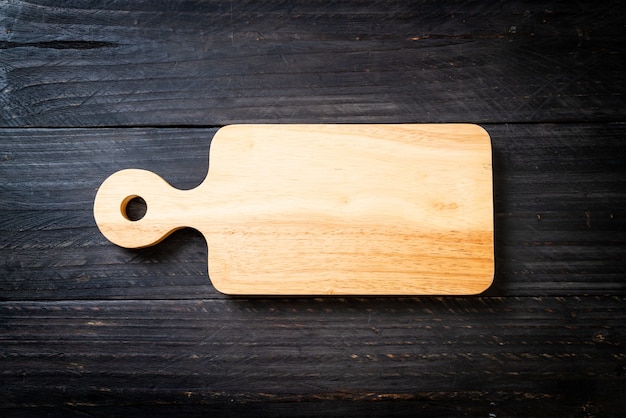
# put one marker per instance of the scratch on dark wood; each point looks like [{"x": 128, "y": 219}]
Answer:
[{"x": 58, "y": 45}]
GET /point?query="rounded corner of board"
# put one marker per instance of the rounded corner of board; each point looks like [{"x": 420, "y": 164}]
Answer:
[
  {"x": 481, "y": 133},
  {"x": 486, "y": 282},
  {"x": 485, "y": 286}
]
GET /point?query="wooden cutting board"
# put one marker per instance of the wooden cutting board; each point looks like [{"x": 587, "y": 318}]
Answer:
[{"x": 327, "y": 209}]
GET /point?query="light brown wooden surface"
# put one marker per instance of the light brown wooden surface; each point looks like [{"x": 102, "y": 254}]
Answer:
[{"x": 327, "y": 209}]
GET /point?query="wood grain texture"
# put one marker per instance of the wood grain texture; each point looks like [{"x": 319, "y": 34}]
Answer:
[
  {"x": 88, "y": 328},
  {"x": 216, "y": 62},
  {"x": 559, "y": 201},
  {"x": 173, "y": 344},
  {"x": 327, "y": 209},
  {"x": 514, "y": 353}
]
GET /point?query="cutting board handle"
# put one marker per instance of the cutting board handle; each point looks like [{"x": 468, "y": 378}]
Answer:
[{"x": 163, "y": 213}]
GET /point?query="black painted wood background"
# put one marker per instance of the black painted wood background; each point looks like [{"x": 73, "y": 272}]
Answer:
[{"x": 88, "y": 88}]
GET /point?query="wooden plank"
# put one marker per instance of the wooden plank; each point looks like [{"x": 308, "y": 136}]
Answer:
[
  {"x": 560, "y": 208},
  {"x": 218, "y": 63},
  {"x": 499, "y": 355},
  {"x": 318, "y": 209}
]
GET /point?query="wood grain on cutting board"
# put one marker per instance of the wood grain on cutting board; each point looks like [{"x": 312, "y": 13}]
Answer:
[{"x": 328, "y": 209}]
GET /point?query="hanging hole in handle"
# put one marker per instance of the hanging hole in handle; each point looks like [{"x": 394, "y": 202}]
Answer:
[{"x": 134, "y": 208}]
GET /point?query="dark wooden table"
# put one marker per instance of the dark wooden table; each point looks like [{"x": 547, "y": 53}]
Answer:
[{"x": 88, "y": 88}]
